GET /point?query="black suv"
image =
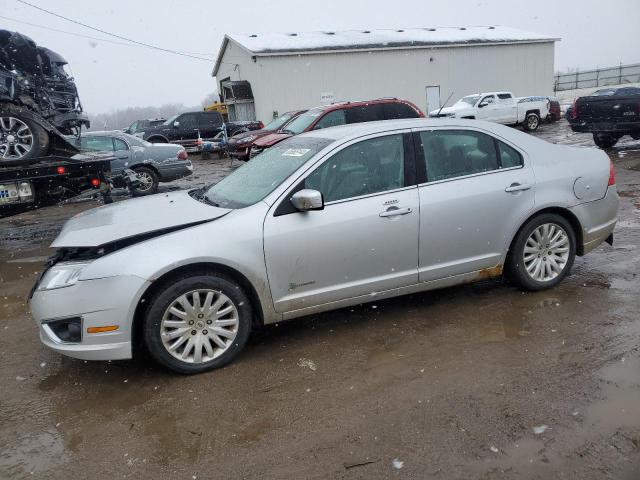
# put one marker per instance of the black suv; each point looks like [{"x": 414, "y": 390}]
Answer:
[{"x": 187, "y": 129}]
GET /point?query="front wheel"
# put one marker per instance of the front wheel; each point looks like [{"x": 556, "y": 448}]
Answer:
[
  {"x": 605, "y": 140},
  {"x": 542, "y": 253},
  {"x": 531, "y": 122},
  {"x": 197, "y": 323}
]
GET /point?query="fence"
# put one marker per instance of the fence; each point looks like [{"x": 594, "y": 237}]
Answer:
[{"x": 597, "y": 78}]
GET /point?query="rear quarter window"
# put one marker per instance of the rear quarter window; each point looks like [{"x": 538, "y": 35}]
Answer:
[
  {"x": 399, "y": 110},
  {"x": 365, "y": 113}
]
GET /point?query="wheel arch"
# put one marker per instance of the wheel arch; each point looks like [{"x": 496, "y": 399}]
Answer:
[
  {"x": 564, "y": 213},
  {"x": 157, "y": 135},
  {"x": 202, "y": 268},
  {"x": 534, "y": 110}
]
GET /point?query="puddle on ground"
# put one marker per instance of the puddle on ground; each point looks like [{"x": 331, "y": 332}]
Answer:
[{"x": 33, "y": 454}]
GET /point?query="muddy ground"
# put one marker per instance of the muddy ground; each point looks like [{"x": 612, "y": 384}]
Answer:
[{"x": 475, "y": 382}]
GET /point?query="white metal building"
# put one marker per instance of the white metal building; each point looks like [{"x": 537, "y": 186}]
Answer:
[{"x": 263, "y": 75}]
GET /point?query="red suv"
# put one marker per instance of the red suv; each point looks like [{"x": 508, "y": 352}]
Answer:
[
  {"x": 340, "y": 114},
  {"x": 240, "y": 144}
]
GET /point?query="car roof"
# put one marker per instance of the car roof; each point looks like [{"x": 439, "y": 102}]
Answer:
[
  {"x": 355, "y": 130},
  {"x": 359, "y": 103}
]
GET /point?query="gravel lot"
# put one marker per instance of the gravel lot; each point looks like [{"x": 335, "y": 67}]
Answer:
[{"x": 475, "y": 382}]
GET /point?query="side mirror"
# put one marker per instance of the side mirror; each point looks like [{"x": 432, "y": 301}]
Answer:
[
  {"x": 176, "y": 124},
  {"x": 307, "y": 199},
  {"x": 483, "y": 104}
]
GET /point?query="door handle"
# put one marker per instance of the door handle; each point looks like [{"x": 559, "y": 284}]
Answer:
[
  {"x": 394, "y": 211},
  {"x": 517, "y": 187}
]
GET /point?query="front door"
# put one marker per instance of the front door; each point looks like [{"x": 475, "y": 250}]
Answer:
[
  {"x": 122, "y": 153},
  {"x": 364, "y": 241},
  {"x": 478, "y": 190},
  {"x": 433, "y": 98}
]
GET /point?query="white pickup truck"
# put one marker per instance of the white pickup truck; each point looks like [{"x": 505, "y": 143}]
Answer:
[{"x": 499, "y": 107}]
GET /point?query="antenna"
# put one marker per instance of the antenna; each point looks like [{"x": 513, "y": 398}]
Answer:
[{"x": 445, "y": 102}]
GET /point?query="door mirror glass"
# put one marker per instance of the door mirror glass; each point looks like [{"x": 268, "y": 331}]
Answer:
[
  {"x": 176, "y": 124},
  {"x": 307, "y": 199}
]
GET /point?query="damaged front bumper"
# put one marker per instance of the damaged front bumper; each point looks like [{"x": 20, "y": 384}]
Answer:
[{"x": 90, "y": 320}]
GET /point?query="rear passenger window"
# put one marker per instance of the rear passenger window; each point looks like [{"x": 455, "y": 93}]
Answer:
[
  {"x": 331, "y": 119},
  {"x": 399, "y": 110},
  {"x": 211, "y": 118},
  {"x": 509, "y": 157},
  {"x": 365, "y": 113},
  {"x": 456, "y": 153}
]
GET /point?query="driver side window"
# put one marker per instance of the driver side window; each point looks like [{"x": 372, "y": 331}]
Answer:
[
  {"x": 371, "y": 166},
  {"x": 489, "y": 99}
]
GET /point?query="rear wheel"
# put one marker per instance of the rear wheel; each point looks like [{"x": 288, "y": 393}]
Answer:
[
  {"x": 197, "y": 323},
  {"x": 542, "y": 252},
  {"x": 531, "y": 122},
  {"x": 605, "y": 140},
  {"x": 148, "y": 181},
  {"x": 21, "y": 138}
]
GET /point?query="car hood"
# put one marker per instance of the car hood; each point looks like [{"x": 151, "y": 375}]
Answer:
[
  {"x": 134, "y": 217},
  {"x": 272, "y": 139},
  {"x": 455, "y": 108},
  {"x": 241, "y": 137}
]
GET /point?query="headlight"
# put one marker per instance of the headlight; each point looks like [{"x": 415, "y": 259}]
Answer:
[
  {"x": 248, "y": 139},
  {"x": 62, "y": 275}
]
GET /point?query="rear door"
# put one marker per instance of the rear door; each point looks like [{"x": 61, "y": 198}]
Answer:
[
  {"x": 475, "y": 189},
  {"x": 210, "y": 125},
  {"x": 122, "y": 153},
  {"x": 364, "y": 241}
]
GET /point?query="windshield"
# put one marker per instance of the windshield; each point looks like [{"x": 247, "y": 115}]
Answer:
[
  {"x": 470, "y": 99},
  {"x": 171, "y": 120},
  {"x": 278, "y": 122},
  {"x": 257, "y": 178},
  {"x": 301, "y": 123}
]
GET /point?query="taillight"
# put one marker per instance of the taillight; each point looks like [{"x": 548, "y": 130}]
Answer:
[
  {"x": 95, "y": 182},
  {"x": 60, "y": 170},
  {"x": 612, "y": 174},
  {"x": 182, "y": 155},
  {"x": 574, "y": 109},
  {"x": 261, "y": 125}
]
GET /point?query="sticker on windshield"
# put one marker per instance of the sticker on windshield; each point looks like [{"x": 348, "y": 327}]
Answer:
[{"x": 295, "y": 152}]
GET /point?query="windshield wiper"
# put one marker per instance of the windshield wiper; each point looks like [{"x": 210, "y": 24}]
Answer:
[
  {"x": 201, "y": 196},
  {"x": 290, "y": 132}
]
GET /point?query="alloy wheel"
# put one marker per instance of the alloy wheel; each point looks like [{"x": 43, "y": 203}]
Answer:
[
  {"x": 532, "y": 122},
  {"x": 199, "y": 326},
  {"x": 16, "y": 138},
  {"x": 546, "y": 252},
  {"x": 146, "y": 181}
]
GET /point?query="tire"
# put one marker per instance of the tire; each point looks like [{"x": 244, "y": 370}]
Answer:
[
  {"x": 160, "y": 323},
  {"x": 21, "y": 138},
  {"x": 531, "y": 122},
  {"x": 149, "y": 182},
  {"x": 605, "y": 140},
  {"x": 518, "y": 266}
]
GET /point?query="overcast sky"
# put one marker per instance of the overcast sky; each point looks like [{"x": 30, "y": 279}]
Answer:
[{"x": 110, "y": 76}]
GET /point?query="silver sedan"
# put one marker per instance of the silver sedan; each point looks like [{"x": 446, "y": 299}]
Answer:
[{"x": 324, "y": 220}]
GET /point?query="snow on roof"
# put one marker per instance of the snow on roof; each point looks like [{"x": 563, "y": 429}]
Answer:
[
  {"x": 316, "y": 42},
  {"x": 388, "y": 38}
]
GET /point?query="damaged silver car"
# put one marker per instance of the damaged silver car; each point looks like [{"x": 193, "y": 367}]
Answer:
[{"x": 324, "y": 220}]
